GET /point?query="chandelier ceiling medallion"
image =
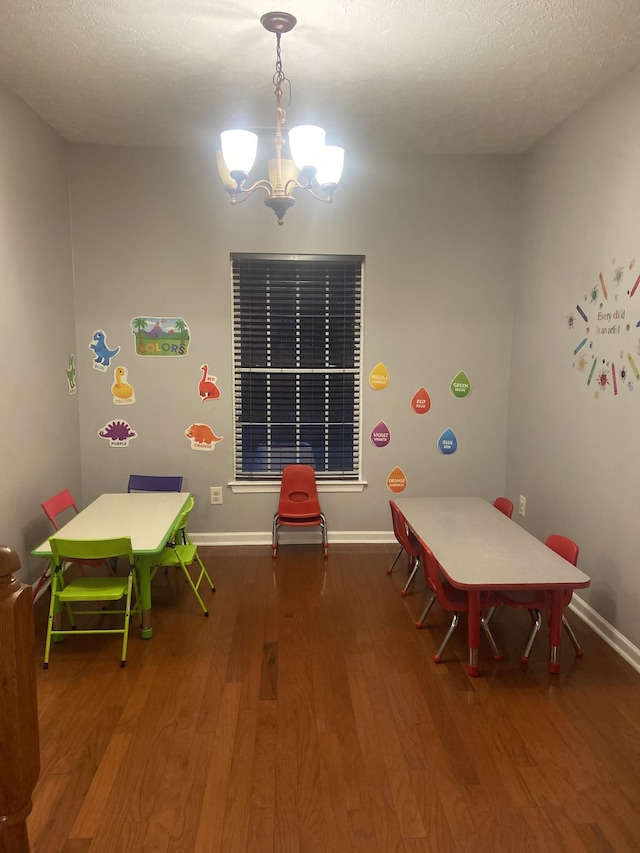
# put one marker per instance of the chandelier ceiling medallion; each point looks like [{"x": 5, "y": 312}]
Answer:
[{"x": 313, "y": 167}]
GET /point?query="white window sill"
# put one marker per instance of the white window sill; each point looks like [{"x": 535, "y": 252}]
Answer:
[{"x": 246, "y": 487}]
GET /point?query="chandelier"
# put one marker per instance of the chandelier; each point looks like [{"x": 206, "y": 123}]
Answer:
[{"x": 313, "y": 167}]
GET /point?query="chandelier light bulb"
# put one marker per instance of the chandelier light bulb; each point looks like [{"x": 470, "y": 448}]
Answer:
[
  {"x": 239, "y": 149},
  {"x": 330, "y": 165}
]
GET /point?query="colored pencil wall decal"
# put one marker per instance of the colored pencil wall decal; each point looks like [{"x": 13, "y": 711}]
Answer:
[
  {"x": 593, "y": 367},
  {"x": 613, "y": 376},
  {"x": 635, "y": 286},
  {"x": 633, "y": 365},
  {"x": 582, "y": 314},
  {"x": 603, "y": 286},
  {"x": 580, "y": 345}
]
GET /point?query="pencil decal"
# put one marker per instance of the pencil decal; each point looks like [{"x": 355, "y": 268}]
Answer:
[
  {"x": 613, "y": 378},
  {"x": 633, "y": 365},
  {"x": 591, "y": 372},
  {"x": 580, "y": 345},
  {"x": 582, "y": 314},
  {"x": 635, "y": 287},
  {"x": 603, "y": 286}
]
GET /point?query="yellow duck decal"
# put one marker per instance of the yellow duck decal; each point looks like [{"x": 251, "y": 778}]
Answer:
[{"x": 123, "y": 393}]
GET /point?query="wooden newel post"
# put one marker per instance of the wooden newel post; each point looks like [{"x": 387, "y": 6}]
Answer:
[{"x": 19, "y": 741}]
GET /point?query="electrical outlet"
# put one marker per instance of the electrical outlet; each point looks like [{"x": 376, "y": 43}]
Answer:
[
  {"x": 216, "y": 494},
  {"x": 522, "y": 506}
]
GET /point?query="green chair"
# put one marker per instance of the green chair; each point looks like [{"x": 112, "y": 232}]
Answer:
[
  {"x": 89, "y": 589},
  {"x": 180, "y": 552}
]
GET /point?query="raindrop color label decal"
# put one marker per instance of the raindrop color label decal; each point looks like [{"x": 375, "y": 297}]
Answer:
[
  {"x": 396, "y": 481},
  {"x": 379, "y": 377},
  {"x": 380, "y": 435},
  {"x": 460, "y": 385},
  {"x": 421, "y": 402},
  {"x": 448, "y": 443}
]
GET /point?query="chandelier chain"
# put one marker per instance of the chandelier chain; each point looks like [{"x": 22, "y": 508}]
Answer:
[{"x": 280, "y": 80}]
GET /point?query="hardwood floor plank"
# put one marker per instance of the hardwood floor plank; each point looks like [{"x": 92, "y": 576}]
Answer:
[{"x": 210, "y": 827}]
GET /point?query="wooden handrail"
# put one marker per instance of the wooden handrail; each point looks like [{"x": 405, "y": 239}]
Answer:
[{"x": 19, "y": 740}]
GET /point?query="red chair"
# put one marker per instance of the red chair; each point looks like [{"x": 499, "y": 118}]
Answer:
[
  {"x": 540, "y": 599},
  {"x": 408, "y": 543},
  {"x": 504, "y": 505},
  {"x": 54, "y": 507},
  {"x": 454, "y": 600},
  {"x": 298, "y": 505}
]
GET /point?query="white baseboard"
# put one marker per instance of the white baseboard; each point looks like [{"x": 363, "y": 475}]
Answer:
[
  {"x": 301, "y": 537},
  {"x": 609, "y": 634}
]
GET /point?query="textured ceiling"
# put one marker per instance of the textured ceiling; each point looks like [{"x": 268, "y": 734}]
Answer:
[{"x": 411, "y": 76}]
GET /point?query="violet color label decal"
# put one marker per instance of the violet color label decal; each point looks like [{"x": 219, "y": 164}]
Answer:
[{"x": 380, "y": 435}]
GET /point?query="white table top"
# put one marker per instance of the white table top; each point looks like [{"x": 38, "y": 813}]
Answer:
[
  {"x": 478, "y": 546},
  {"x": 147, "y": 517}
]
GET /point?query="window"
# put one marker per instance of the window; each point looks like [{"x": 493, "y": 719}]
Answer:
[{"x": 296, "y": 328}]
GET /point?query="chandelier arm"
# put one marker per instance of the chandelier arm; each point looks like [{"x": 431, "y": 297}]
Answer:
[
  {"x": 328, "y": 198},
  {"x": 240, "y": 194}
]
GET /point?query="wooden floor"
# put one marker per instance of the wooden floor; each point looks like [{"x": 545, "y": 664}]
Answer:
[{"x": 307, "y": 714}]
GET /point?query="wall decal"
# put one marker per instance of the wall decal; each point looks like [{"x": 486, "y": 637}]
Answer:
[
  {"x": 123, "y": 393},
  {"x": 396, "y": 481},
  {"x": 606, "y": 325},
  {"x": 70, "y": 370},
  {"x": 202, "y": 437},
  {"x": 448, "y": 443},
  {"x": 102, "y": 353},
  {"x": 207, "y": 388},
  {"x": 460, "y": 386},
  {"x": 380, "y": 435},
  {"x": 118, "y": 433},
  {"x": 421, "y": 402},
  {"x": 379, "y": 377},
  {"x": 161, "y": 336}
]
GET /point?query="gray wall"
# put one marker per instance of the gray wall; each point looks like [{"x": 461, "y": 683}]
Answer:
[
  {"x": 39, "y": 429},
  {"x": 153, "y": 232},
  {"x": 573, "y": 449}
]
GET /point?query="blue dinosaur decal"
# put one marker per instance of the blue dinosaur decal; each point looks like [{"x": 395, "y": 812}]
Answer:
[{"x": 103, "y": 354}]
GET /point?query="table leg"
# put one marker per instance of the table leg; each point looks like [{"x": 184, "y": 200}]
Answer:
[
  {"x": 473, "y": 618},
  {"x": 144, "y": 580},
  {"x": 555, "y": 630}
]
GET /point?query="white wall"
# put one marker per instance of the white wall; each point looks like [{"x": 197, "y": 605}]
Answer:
[
  {"x": 153, "y": 232},
  {"x": 573, "y": 452},
  {"x": 39, "y": 420}
]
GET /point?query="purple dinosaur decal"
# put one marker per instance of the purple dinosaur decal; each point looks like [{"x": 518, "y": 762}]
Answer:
[{"x": 118, "y": 433}]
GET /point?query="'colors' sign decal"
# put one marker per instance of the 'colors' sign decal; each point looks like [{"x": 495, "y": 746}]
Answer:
[{"x": 161, "y": 336}]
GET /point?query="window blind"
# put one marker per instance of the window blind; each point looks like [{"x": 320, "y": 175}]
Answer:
[{"x": 297, "y": 332}]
